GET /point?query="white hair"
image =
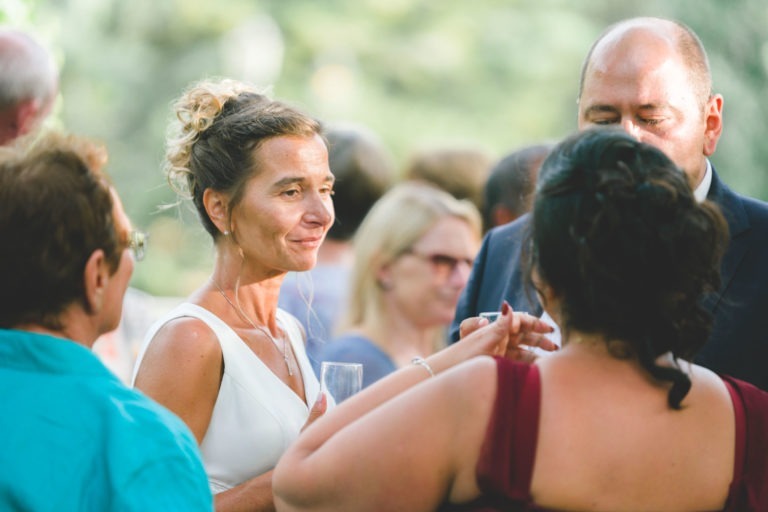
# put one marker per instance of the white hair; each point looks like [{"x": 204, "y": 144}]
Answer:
[{"x": 27, "y": 69}]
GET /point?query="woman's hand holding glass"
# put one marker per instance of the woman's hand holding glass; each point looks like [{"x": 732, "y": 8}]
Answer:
[{"x": 523, "y": 332}]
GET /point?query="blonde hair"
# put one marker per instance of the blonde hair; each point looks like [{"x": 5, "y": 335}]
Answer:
[
  {"x": 394, "y": 224},
  {"x": 218, "y": 126}
]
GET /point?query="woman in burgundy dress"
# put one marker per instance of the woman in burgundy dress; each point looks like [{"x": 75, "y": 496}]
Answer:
[{"x": 622, "y": 257}]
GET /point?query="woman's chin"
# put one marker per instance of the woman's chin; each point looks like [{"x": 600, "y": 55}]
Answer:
[{"x": 304, "y": 265}]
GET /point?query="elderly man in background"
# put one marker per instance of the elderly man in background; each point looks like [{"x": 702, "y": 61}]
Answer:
[{"x": 29, "y": 83}]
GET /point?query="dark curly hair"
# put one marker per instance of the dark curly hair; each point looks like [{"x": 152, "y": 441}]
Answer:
[{"x": 619, "y": 237}]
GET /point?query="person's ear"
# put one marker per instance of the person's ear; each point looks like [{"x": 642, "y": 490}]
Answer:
[
  {"x": 27, "y": 116},
  {"x": 217, "y": 207},
  {"x": 544, "y": 292},
  {"x": 384, "y": 277},
  {"x": 548, "y": 297},
  {"x": 95, "y": 279},
  {"x": 713, "y": 118}
]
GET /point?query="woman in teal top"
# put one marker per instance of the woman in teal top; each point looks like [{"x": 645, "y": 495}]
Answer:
[{"x": 74, "y": 437}]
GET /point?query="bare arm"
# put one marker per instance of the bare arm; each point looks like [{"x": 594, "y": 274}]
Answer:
[
  {"x": 408, "y": 454},
  {"x": 182, "y": 370},
  {"x": 396, "y": 447}
]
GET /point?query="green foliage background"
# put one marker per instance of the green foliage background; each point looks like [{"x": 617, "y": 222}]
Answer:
[{"x": 495, "y": 74}]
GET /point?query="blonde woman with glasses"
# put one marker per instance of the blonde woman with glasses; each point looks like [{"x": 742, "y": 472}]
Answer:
[{"x": 413, "y": 255}]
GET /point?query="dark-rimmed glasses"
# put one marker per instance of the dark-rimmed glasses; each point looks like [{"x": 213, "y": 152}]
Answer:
[{"x": 443, "y": 264}]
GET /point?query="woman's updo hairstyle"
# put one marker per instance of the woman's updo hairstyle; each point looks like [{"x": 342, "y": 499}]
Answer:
[
  {"x": 219, "y": 125},
  {"x": 619, "y": 237}
]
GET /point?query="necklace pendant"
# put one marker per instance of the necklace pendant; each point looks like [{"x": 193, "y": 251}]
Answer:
[{"x": 263, "y": 330}]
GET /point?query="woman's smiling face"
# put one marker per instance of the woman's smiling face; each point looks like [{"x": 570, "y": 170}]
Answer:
[{"x": 286, "y": 209}]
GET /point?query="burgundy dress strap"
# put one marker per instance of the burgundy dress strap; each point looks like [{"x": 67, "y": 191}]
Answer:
[
  {"x": 739, "y": 420},
  {"x": 749, "y": 488},
  {"x": 506, "y": 461}
]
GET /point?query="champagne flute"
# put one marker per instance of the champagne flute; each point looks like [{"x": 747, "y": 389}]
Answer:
[{"x": 339, "y": 381}]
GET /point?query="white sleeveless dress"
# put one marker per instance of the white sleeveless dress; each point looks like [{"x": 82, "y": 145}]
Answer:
[{"x": 256, "y": 415}]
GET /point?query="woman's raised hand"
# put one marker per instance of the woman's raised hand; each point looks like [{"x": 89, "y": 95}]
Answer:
[
  {"x": 522, "y": 332},
  {"x": 527, "y": 332}
]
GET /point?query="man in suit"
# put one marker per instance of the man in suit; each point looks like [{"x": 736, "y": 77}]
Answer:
[{"x": 651, "y": 77}]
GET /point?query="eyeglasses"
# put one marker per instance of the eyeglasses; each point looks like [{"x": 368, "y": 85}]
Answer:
[
  {"x": 443, "y": 264},
  {"x": 137, "y": 243}
]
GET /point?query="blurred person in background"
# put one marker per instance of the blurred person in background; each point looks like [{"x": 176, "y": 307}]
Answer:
[
  {"x": 462, "y": 172},
  {"x": 508, "y": 192},
  {"x": 364, "y": 171},
  {"x": 651, "y": 77},
  {"x": 621, "y": 254},
  {"x": 29, "y": 82},
  {"x": 228, "y": 361},
  {"x": 413, "y": 253},
  {"x": 75, "y": 437}
]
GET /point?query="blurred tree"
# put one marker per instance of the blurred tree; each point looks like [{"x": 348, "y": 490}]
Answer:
[
  {"x": 735, "y": 33},
  {"x": 495, "y": 74}
]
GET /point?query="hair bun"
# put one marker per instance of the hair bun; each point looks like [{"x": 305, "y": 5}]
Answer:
[
  {"x": 200, "y": 105},
  {"x": 196, "y": 110}
]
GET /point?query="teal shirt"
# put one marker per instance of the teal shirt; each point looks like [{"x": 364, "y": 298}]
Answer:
[{"x": 74, "y": 438}]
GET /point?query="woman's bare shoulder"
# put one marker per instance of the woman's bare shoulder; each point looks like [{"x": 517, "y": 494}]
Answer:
[
  {"x": 705, "y": 383},
  {"x": 185, "y": 339}
]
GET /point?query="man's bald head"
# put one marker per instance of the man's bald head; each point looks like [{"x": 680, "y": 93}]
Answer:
[{"x": 638, "y": 35}]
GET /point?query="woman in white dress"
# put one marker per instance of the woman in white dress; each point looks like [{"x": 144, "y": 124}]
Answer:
[{"x": 228, "y": 361}]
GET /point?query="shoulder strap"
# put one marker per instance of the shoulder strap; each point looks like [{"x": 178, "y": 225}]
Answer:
[
  {"x": 506, "y": 461},
  {"x": 740, "y": 427},
  {"x": 750, "y": 472}
]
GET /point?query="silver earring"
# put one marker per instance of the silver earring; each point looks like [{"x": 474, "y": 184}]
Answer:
[{"x": 226, "y": 232}]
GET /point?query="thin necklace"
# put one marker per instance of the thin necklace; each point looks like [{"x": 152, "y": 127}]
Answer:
[{"x": 264, "y": 331}]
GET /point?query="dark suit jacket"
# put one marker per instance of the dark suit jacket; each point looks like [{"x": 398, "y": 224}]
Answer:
[{"x": 738, "y": 345}]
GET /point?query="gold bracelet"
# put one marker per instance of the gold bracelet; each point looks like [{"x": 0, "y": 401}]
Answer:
[{"x": 420, "y": 361}]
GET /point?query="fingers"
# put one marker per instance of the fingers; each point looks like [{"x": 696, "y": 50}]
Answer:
[
  {"x": 527, "y": 333},
  {"x": 521, "y": 331},
  {"x": 521, "y": 353},
  {"x": 470, "y": 325},
  {"x": 318, "y": 409},
  {"x": 516, "y": 322},
  {"x": 539, "y": 341},
  {"x": 479, "y": 337},
  {"x": 530, "y": 323}
]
